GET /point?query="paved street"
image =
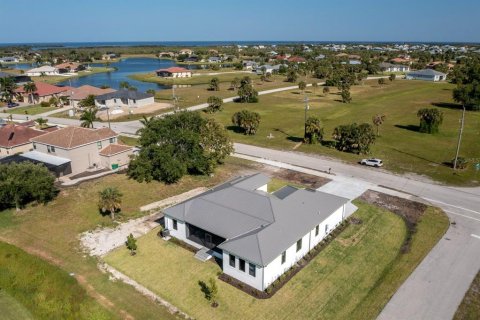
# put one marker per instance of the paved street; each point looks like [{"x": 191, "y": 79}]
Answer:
[{"x": 436, "y": 287}]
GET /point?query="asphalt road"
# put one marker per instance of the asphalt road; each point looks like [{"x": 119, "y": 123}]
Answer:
[{"x": 438, "y": 284}]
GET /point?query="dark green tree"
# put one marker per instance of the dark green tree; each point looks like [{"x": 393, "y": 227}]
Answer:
[
  {"x": 313, "y": 131},
  {"x": 430, "y": 120},
  {"x": 345, "y": 94},
  {"x": 248, "y": 121},
  {"x": 214, "y": 104},
  {"x": 131, "y": 244},
  {"x": 88, "y": 102},
  {"x": 88, "y": 117},
  {"x": 354, "y": 138},
  {"x": 292, "y": 76},
  {"x": 214, "y": 84},
  {"x": 247, "y": 93},
  {"x": 110, "y": 201}
]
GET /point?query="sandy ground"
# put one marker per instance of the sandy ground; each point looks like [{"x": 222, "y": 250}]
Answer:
[
  {"x": 100, "y": 241},
  {"x": 151, "y": 108}
]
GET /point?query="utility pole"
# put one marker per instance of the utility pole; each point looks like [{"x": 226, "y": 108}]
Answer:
[
  {"x": 306, "y": 109},
  {"x": 462, "y": 122}
]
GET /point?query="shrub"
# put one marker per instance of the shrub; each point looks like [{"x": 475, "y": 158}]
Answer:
[
  {"x": 462, "y": 163},
  {"x": 44, "y": 104},
  {"x": 248, "y": 121},
  {"x": 214, "y": 104}
]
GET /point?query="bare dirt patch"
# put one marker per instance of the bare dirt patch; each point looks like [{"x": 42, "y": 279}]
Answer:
[{"x": 296, "y": 177}]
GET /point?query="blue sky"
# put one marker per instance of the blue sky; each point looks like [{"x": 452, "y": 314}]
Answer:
[{"x": 210, "y": 20}]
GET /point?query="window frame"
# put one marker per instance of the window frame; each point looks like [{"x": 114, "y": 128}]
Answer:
[
  {"x": 241, "y": 264},
  {"x": 252, "y": 269},
  {"x": 174, "y": 224},
  {"x": 317, "y": 230},
  {"x": 232, "y": 260},
  {"x": 299, "y": 244},
  {"x": 284, "y": 257}
]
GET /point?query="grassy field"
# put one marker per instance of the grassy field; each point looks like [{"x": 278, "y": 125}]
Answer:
[
  {"x": 52, "y": 231},
  {"x": 400, "y": 145},
  {"x": 469, "y": 309},
  {"x": 30, "y": 110},
  {"x": 340, "y": 283},
  {"x": 129, "y": 141},
  {"x": 56, "y": 79},
  {"x": 46, "y": 291},
  {"x": 12, "y": 309}
]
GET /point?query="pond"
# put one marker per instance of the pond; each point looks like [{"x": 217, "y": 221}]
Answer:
[{"x": 124, "y": 68}]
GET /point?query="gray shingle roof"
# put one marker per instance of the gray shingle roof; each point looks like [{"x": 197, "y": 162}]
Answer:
[
  {"x": 258, "y": 226},
  {"x": 124, "y": 94}
]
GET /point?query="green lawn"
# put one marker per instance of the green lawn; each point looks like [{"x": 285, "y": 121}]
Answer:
[
  {"x": 52, "y": 231},
  {"x": 29, "y": 110},
  {"x": 469, "y": 309},
  {"x": 129, "y": 141},
  {"x": 400, "y": 145},
  {"x": 46, "y": 291},
  {"x": 11, "y": 309},
  {"x": 352, "y": 278},
  {"x": 276, "y": 184},
  {"x": 199, "y": 79}
]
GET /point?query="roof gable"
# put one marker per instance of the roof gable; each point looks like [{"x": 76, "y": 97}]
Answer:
[{"x": 72, "y": 137}]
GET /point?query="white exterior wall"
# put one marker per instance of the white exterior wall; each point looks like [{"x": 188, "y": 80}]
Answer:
[
  {"x": 113, "y": 103},
  {"x": 275, "y": 268},
  {"x": 4, "y": 152},
  {"x": 181, "y": 232},
  {"x": 263, "y": 188},
  {"x": 245, "y": 277}
]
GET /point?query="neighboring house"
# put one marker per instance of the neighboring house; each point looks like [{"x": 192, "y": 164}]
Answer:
[
  {"x": 427, "y": 75},
  {"x": 85, "y": 148},
  {"x": 43, "y": 70},
  {"x": 19, "y": 79},
  {"x": 124, "y": 98},
  {"x": 400, "y": 60},
  {"x": 76, "y": 95},
  {"x": 192, "y": 59},
  {"x": 109, "y": 56},
  {"x": 15, "y": 138},
  {"x": 296, "y": 59},
  {"x": 70, "y": 67},
  {"x": 258, "y": 236},
  {"x": 388, "y": 67},
  {"x": 174, "y": 72},
  {"x": 44, "y": 92},
  {"x": 354, "y": 62},
  {"x": 249, "y": 65},
  {"x": 320, "y": 57},
  {"x": 9, "y": 60},
  {"x": 188, "y": 52},
  {"x": 168, "y": 54},
  {"x": 214, "y": 60}
]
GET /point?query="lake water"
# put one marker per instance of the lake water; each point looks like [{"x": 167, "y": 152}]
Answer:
[{"x": 125, "y": 67}]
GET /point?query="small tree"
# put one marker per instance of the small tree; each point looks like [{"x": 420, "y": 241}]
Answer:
[
  {"x": 263, "y": 78},
  {"x": 313, "y": 131},
  {"x": 88, "y": 102},
  {"x": 214, "y": 84},
  {"x": 326, "y": 91},
  {"x": 430, "y": 120},
  {"x": 302, "y": 85},
  {"x": 247, "y": 93},
  {"x": 214, "y": 104},
  {"x": 42, "y": 123},
  {"x": 213, "y": 292},
  {"x": 88, "y": 117},
  {"x": 124, "y": 85},
  {"x": 131, "y": 244},
  {"x": 346, "y": 97},
  {"x": 151, "y": 91},
  {"x": 381, "y": 81},
  {"x": 292, "y": 76},
  {"x": 314, "y": 87},
  {"x": 235, "y": 84},
  {"x": 110, "y": 200},
  {"x": 392, "y": 77},
  {"x": 248, "y": 121},
  {"x": 378, "y": 121}
]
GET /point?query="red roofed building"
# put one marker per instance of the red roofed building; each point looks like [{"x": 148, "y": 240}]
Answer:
[
  {"x": 44, "y": 92},
  {"x": 296, "y": 59},
  {"x": 16, "y": 139},
  {"x": 174, "y": 72},
  {"x": 68, "y": 67}
]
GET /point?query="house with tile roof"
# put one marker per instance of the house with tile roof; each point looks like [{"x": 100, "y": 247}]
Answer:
[
  {"x": 43, "y": 70},
  {"x": 15, "y": 138},
  {"x": 44, "y": 92},
  {"x": 87, "y": 149},
  {"x": 257, "y": 235},
  {"x": 174, "y": 72},
  {"x": 70, "y": 67},
  {"x": 75, "y": 95}
]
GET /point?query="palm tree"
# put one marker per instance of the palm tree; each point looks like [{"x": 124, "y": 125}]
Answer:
[
  {"x": 124, "y": 85},
  {"x": 7, "y": 86},
  {"x": 41, "y": 122},
  {"x": 88, "y": 117},
  {"x": 30, "y": 88},
  {"x": 461, "y": 95},
  {"x": 110, "y": 201}
]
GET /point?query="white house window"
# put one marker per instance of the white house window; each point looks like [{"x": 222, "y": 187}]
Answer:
[
  {"x": 99, "y": 144},
  {"x": 34, "y": 146},
  {"x": 284, "y": 256},
  {"x": 241, "y": 265},
  {"x": 251, "y": 269},
  {"x": 50, "y": 149},
  {"x": 232, "y": 260},
  {"x": 112, "y": 140},
  {"x": 299, "y": 245},
  {"x": 326, "y": 228},
  {"x": 317, "y": 229},
  {"x": 175, "y": 225}
]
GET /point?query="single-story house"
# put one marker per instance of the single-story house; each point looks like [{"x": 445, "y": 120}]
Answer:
[
  {"x": 76, "y": 95},
  {"x": 85, "y": 148},
  {"x": 168, "y": 54},
  {"x": 249, "y": 65},
  {"x": 320, "y": 57},
  {"x": 188, "y": 52},
  {"x": 389, "y": 67},
  {"x": 19, "y": 79},
  {"x": 124, "y": 98},
  {"x": 43, "y": 70},
  {"x": 266, "y": 68},
  {"x": 44, "y": 92},
  {"x": 9, "y": 60},
  {"x": 69, "y": 67},
  {"x": 15, "y": 138},
  {"x": 192, "y": 59},
  {"x": 214, "y": 60},
  {"x": 174, "y": 72},
  {"x": 296, "y": 59},
  {"x": 427, "y": 75},
  {"x": 257, "y": 235},
  {"x": 108, "y": 56}
]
